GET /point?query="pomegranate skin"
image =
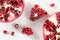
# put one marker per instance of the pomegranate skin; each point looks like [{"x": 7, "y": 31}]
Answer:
[
  {"x": 51, "y": 27},
  {"x": 11, "y": 10}
]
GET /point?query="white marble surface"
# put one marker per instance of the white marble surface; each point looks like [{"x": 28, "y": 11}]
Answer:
[{"x": 24, "y": 21}]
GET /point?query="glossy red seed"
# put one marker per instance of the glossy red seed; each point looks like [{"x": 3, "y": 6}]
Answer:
[
  {"x": 12, "y": 33},
  {"x": 16, "y": 26},
  {"x": 10, "y": 1},
  {"x": 5, "y": 31},
  {"x": 52, "y": 5},
  {"x": 27, "y": 31},
  {"x": 48, "y": 27}
]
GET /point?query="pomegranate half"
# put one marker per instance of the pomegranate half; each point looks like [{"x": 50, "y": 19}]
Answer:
[
  {"x": 10, "y": 10},
  {"x": 51, "y": 27}
]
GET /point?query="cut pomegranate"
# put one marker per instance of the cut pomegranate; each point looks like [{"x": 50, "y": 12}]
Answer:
[
  {"x": 5, "y": 31},
  {"x": 51, "y": 27},
  {"x": 27, "y": 31},
  {"x": 11, "y": 10},
  {"x": 37, "y": 13}
]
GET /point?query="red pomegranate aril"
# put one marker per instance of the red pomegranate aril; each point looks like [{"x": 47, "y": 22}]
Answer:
[
  {"x": 16, "y": 26},
  {"x": 47, "y": 37},
  {"x": 37, "y": 13},
  {"x": 12, "y": 33},
  {"x": 1, "y": 12},
  {"x": 27, "y": 31},
  {"x": 6, "y": 17},
  {"x": 5, "y": 31},
  {"x": 15, "y": 4},
  {"x": 10, "y": 1},
  {"x": 36, "y": 7},
  {"x": 48, "y": 28},
  {"x": 52, "y": 5}
]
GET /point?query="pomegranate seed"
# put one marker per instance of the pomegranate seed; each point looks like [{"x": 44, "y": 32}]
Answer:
[
  {"x": 12, "y": 33},
  {"x": 48, "y": 27},
  {"x": 16, "y": 26},
  {"x": 27, "y": 31},
  {"x": 37, "y": 13},
  {"x": 52, "y": 5},
  {"x": 5, "y": 31},
  {"x": 10, "y": 1}
]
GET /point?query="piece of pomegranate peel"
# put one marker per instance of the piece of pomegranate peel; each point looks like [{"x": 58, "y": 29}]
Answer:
[
  {"x": 11, "y": 10},
  {"x": 37, "y": 13},
  {"x": 28, "y": 31},
  {"x": 51, "y": 27}
]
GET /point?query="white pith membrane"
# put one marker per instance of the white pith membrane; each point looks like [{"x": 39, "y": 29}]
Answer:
[
  {"x": 46, "y": 32},
  {"x": 12, "y": 16},
  {"x": 36, "y": 14}
]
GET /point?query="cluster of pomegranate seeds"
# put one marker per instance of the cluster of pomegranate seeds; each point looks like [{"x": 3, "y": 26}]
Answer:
[
  {"x": 51, "y": 29},
  {"x": 51, "y": 24},
  {"x": 27, "y": 31},
  {"x": 5, "y": 31},
  {"x": 10, "y": 10},
  {"x": 37, "y": 13},
  {"x": 52, "y": 5},
  {"x": 16, "y": 26}
]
